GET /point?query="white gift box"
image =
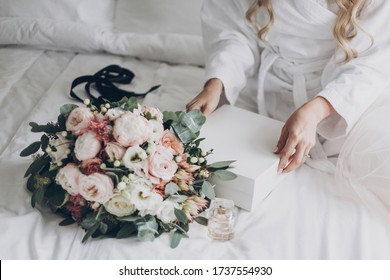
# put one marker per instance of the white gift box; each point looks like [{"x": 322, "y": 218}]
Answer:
[{"x": 248, "y": 138}]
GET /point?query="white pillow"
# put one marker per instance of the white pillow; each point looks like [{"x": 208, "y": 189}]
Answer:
[
  {"x": 158, "y": 16},
  {"x": 93, "y": 12}
]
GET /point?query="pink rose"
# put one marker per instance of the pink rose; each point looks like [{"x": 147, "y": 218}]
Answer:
[
  {"x": 161, "y": 164},
  {"x": 87, "y": 146},
  {"x": 131, "y": 129},
  {"x": 96, "y": 187},
  {"x": 68, "y": 177},
  {"x": 169, "y": 140},
  {"x": 79, "y": 120},
  {"x": 114, "y": 151}
]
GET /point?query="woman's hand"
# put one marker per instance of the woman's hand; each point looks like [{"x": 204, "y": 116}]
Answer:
[
  {"x": 298, "y": 134},
  {"x": 208, "y": 99}
]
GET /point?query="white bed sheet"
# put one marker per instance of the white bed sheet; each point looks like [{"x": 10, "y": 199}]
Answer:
[{"x": 301, "y": 219}]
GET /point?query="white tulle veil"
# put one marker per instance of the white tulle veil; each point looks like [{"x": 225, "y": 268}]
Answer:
[{"x": 363, "y": 167}]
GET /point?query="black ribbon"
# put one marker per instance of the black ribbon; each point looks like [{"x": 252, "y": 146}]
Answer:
[{"x": 104, "y": 81}]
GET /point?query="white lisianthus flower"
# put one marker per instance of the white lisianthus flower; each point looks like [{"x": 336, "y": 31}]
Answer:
[
  {"x": 140, "y": 183},
  {"x": 131, "y": 129},
  {"x": 134, "y": 158},
  {"x": 119, "y": 206},
  {"x": 68, "y": 177},
  {"x": 156, "y": 130},
  {"x": 146, "y": 201},
  {"x": 166, "y": 211},
  {"x": 96, "y": 187},
  {"x": 61, "y": 148},
  {"x": 87, "y": 146}
]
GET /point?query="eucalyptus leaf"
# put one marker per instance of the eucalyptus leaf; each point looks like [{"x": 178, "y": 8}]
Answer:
[
  {"x": 68, "y": 221},
  {"x": 181, "y": 215},
  {"x": 183, "y": 227},
  {"x": 67, "y": 108},
  {"x": 37, "y": 165},
  {"x": 103, "y": 228},
  {"x": 44, "y": 142},
  {"x": 61, "y": 120},
  {"x": 208, "y": 190},
  {"x": 128, "y": 218},
  {"x": 202, "y": 220},
  {"x": 225, "y": 175},
  {"x": 171, "y": 188},
  {"x": 177, "y": 198},
  {"x": 31, "y": 149},
  {"x": 31, "y": 183},
  {"x": 193, "y": 120},
  {"x": 127, "y": 230},
  {"x": 147, "y": 229},
  {"x": 221, "y": 164},
  {"x": 91, "y": 231},
  {"x": 38, "y": 196},
  {"x": 176, "y": 238},
  {"x": 57, "y": 195},
  {"x": 169, "y": 116}
]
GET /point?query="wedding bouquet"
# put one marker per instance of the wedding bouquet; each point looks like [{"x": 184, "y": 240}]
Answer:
[{"x": 120, "y": 170}]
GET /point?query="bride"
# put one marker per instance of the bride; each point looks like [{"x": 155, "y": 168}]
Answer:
[{"x": 322, "y": 68}]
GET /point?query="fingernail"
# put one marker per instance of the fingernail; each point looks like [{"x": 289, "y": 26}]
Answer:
[
  {"x": 276, "y": 149},
  {"x": 280, "y": 171}
]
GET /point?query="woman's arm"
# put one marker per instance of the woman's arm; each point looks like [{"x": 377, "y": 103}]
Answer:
[{"x": 232, "y": 52}]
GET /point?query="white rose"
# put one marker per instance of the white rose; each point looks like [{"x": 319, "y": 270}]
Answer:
[
  {"x": 156, "y": 130},
  {"x": 79, "y": 120},
  {"x": 166, "y": 212},
  {"x": 87, "y": 146},
  {"x": 134, "y": 158},
  {"x": 114, "y": 113},
  {"x": 154, "y": 113},
  {"x": 119, "y": 206},
  {"x": 68, "y": 177},
  {"x": 61, "y": 145},
  {"x": 161, "y": 164},
  {"x": 114, "y": 151},
  {"x": 96, "y": 187},
  {"x": 131, "y": 129},
  {"x": 146, "y": 202}
]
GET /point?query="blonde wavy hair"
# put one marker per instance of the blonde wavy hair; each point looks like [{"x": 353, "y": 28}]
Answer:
[{"x": 345, "y": 29}]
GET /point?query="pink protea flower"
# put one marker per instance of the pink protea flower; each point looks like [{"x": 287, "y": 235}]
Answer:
[
  {"x": 183, "y": 179},
  {"x": 193, "y": 206},
  {"x": 160, "y": 188}
]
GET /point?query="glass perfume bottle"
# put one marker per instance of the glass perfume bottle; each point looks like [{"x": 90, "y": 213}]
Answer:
[{"x": 221, "y": 218}]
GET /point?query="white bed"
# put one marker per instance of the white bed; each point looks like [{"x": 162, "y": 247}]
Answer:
[{"x": 44, "y": 47}]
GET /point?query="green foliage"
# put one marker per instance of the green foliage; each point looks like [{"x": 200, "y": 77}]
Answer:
[
  {"x": 126, "y": 104},
  {"x": 182, "y": 217},
  {"x": 31, "y": 149},
  {"x": 208, "y": 190},
  {"x": 67, "y": 108},
  {"x": 225, "y": 175}
]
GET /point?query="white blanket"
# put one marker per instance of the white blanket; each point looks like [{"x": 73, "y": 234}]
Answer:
[{"x": 301, "y": 219}]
